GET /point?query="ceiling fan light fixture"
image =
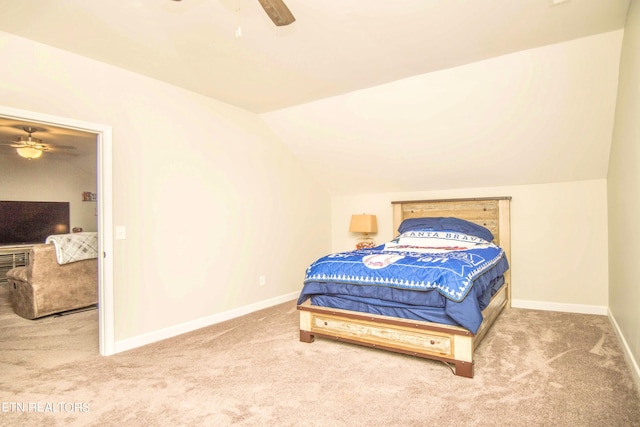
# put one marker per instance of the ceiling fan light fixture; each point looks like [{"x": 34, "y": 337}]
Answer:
[
  {"x": 29, "y": 152},
  {"x": 30, "y": 140}
]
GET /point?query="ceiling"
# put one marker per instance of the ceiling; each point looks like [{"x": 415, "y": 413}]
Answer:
[
  {"x": 334, "y": 47},
  {"x": 291, "y": 76}
]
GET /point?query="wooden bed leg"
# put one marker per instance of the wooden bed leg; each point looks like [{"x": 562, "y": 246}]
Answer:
[
  {"x": 306, "y": 336},
  {"x": 464, "y": 369}
]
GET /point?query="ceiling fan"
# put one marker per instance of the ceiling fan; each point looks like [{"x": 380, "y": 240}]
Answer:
[
  {"x": 277, "y": 11},
  {"x": 30, "y": 147}
]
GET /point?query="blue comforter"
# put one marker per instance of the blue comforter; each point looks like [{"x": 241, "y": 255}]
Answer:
[{"x": 439, "y": 277}]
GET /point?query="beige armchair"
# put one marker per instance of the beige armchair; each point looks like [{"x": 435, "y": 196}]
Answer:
[{"x": 45, "y": 287}]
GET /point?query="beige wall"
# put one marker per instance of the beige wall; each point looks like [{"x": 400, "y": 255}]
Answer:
[
  {"x": 50, "y": 181},
  {"x": 623, "y": 185},
  {"x": 559, "y": 238},
  {"x": 210, "y": 198}
]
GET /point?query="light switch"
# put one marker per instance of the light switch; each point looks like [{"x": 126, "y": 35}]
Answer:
[{"x": 121, "y": 232}]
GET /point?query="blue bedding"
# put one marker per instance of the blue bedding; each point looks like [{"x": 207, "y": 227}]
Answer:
[{"x": 444, "y": 277}]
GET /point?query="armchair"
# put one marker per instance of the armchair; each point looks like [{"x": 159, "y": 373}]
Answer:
[{"x": 45, "y": 287}]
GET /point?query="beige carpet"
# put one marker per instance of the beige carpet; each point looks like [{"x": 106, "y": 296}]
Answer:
[{"x": 534, "y": 368}]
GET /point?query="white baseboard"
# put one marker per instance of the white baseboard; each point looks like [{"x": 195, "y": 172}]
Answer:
[
  {"x": 140, "y": 340},
  {"x": 633, "y": 364},
  {"x": 554, "y": 306}
]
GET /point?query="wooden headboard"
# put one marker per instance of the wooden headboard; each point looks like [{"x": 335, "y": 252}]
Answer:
[{"x": 490, "y": 212}]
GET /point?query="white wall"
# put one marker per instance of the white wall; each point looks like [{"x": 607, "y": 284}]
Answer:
[
  {"x": 624, "y": 194},
  {"x": 210, "y": 198},
  {"x": 51, "y": 180},
  {"x": 558, "y": 235}
]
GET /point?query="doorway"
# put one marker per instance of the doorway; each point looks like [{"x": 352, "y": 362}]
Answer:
[{"x": 103, "y": 135}]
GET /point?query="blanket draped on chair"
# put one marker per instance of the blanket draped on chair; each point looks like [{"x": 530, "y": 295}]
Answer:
[{"x": 74, "y": 247}]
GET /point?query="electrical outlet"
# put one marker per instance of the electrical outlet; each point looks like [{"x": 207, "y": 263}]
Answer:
[{"x": 262, "y": 280}]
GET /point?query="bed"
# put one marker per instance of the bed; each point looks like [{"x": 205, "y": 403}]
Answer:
[{"x": 334, "y": 305}]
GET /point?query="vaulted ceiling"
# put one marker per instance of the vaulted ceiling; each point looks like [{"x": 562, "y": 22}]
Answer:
[
  {"x": 336, "y": 85},
  {"x": 334, "y": 47}
]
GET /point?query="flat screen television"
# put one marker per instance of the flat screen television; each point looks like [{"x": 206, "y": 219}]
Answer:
[{"x": 32, "y": 222}]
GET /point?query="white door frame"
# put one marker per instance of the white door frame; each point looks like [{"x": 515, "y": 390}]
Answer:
[{"x": 105, "y": 213}]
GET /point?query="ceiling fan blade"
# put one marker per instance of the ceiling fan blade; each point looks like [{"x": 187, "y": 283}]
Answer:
[
  {"x": 278, "y": 12},
  {"x": 63, "y": 147}
]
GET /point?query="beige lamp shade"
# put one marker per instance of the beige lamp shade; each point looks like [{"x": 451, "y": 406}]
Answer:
[{"x": 363, "y": 224}]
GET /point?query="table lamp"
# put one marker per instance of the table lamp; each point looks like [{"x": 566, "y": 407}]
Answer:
[{"x": 364, "y": 224}]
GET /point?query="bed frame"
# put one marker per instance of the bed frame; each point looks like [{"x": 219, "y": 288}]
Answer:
[{"x": 450, "y": 344}]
